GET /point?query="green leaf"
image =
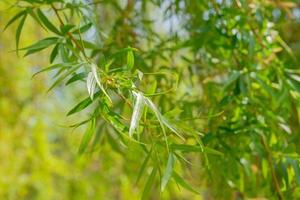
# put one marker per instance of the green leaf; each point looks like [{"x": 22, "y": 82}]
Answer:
[
  {"x": 66, "y": 28},
  {"x": 194, "y": 148},
  {"x": 182, "y": 183},
  {"x": 143, "y": 167},
  {"x": 173, "y": 113},
  {"x": 264, "y": 85},
  {"x": 295, "y": 165},
  {"x": 113, "y": 118},
  {"x": 286, "y": 47},
  {"x": 149, "y": 184},
  {"x": 18, "y": 32},
  {"x": 231, "y": 79},
  {"x": 82, "y": 105},
  {"x": 168, "y": 171},
  {"x": 63, "y": 76},
  {"x": 76, "y": 77},
  {"x": 87, "y": 137},
  {"x": 35, "y": 17},
  {"x": 80, "y": 123},
  {"x": 17, "y": 16},
  {"x": 87, "y": 44},
  {"x": 130, "y": 59},
  {"x": 53, "y": 67},
  {"x": 108, "y": 64},
  {"x": 158, "y": 115},
  {"x": 63, "y": 53},
  {"x": 46, "y": 22},
  {"x": 172, "y": 127},
  {"x": 54, "y": 53},
  {"x": 251, "y": 46},
  {"x": 83, "y": 29},
  {"x": 40, "y": 45}
]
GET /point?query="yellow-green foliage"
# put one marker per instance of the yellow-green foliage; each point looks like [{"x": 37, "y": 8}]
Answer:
[
  {"x": 160, "y": 99},
  {"x": 38, "y": 156}
]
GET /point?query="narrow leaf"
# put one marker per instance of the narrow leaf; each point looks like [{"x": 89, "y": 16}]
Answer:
[
  {"x": 63, "y": 76},
  {"x": 91, "y": 84},
  {"x": 40, "y": 45},
  {"x": 76, "y": 77},
  {"x": 12, "y": 20},
  {"x": 137, "y": 113},
  {"x": 53, "y": 67},
  {"x": 158, "y": 115},
  {"x": 83, "y": 29},
  {"x": 87, "y": 137},
  {"x": 46, "y": 22},
  {"x": 184, "y": 184},
  {"x": 18, "y": 32},
  {"x": 172, "y": 127},
  {"x": 96, "y": 76},
  {"x": 168, "y": 171},
  {"x": 54, "y": 53},
  {"x": 194, "y": 148},
  {"x": 82, "y": 105},
  {"x": 233, "y": 77},
  {"x": 35, "y": 17},
  {"x": 130, "y": 59},
  {"x": 149, "y": 184},
  {"x": 143, "y": 167}
]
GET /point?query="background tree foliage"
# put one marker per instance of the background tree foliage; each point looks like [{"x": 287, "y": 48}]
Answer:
[{"x": 180, "y": 99}]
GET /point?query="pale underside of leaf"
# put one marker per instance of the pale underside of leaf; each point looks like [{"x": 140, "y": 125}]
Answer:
[
  {"x": 137, "y": 113},
  {"x": 91, "y": 84},
  {"x": 172, "y": 127},
  {"x": 97, "y": 78},
  {"x": 158, "y": 115},
  {"x": 162, "y": 120}
]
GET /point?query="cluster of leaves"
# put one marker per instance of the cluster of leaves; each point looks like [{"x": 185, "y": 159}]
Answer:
[{"x": 148, "y": 88}]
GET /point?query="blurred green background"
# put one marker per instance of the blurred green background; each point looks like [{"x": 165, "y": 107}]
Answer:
[
  {"x": 38, "y": 149},
  {"x": 38, "y": 153}
]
